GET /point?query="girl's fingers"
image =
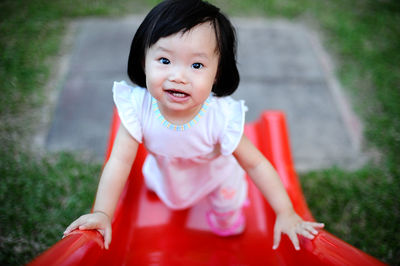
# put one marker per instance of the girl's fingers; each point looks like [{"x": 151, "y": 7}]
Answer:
[
  {"x": 277, "y": 238},
  {"x": 317, "y": 225},
  {"x": 88, "y": 222},
  {"x": 107, "y": 236},
  {"x": 90, "y": 225},
  {"x": 73, "y": 226},
  {"x": 106, "y": 233},
  {"x": 293, "y": 237},
  {"x": 307, "y": 234},
  {"x": 306, "y": 229},
  {"x": 82, "y": 223},
  {"x": 310, "y": 229}
]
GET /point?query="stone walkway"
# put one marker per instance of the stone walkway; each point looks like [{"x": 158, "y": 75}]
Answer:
[{"x": 282, "y": 65}]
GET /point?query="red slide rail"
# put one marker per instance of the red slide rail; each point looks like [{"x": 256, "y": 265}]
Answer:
[{"x": 145, "y": 232}]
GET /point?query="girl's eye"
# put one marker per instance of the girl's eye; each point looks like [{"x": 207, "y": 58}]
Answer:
[
  {"x": 164, "y": 61},
  {"x": 197, "y": 65}
]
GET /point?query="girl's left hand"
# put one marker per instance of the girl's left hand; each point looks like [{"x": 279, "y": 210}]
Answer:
[{"x": 291, "y": 224}]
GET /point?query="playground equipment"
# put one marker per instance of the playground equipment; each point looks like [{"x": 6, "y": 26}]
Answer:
[{"x": 146, "y": 232}]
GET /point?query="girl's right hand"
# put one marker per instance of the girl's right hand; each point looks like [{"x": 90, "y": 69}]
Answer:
[{"x": 96, "y": 220}]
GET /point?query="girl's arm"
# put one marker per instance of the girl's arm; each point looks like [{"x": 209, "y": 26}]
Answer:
[
  {"x": 116, "y": 172},
  {"x": 112, "y": 181},
  {"x": 268, "y": 182}
]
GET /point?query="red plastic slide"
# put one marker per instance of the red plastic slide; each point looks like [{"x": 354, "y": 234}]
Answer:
[{"x": 146, "y": 232}]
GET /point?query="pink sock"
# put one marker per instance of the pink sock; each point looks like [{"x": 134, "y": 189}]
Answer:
[{"x": 226, "y": 224}]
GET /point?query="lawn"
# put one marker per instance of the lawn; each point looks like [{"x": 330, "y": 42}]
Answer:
[{"x": 41, "y": 193}]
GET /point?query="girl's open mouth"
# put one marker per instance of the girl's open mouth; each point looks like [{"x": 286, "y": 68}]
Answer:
[{"x": 178, "y": 94}]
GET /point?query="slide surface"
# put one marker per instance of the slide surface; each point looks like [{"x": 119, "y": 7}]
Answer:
[{"x": 146, "y": 232}]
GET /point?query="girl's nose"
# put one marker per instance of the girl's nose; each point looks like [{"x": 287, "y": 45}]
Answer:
[{"x": 178, "y": 75}]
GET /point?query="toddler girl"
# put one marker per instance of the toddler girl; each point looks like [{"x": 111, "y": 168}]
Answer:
[{"x": 183, "y": 59}]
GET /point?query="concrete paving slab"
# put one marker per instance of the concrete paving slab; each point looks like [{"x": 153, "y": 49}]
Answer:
[{"x": 282, "y": 66}]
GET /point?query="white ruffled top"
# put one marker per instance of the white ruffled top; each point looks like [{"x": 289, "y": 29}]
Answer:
[{"x": 185, "y": 162}]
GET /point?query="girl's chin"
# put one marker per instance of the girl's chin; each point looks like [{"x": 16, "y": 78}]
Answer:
[{"x": 179, "y": 109}]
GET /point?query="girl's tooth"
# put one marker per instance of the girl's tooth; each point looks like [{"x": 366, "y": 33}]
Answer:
[{"x": 177, "y": 94}]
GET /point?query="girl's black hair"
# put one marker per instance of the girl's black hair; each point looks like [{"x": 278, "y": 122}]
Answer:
[{"x": 173, "y": 16}]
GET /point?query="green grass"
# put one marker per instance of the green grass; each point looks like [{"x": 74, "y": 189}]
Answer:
[
  {"x": 360, "y": 207},
  {"x": 39, "y": 198},
  {"x": 41, "y": 194}
]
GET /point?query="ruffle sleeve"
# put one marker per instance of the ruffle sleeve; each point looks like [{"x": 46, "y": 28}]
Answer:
[
  {"x": 234, "y": 112},
  {"x": 128, "y": 101}
]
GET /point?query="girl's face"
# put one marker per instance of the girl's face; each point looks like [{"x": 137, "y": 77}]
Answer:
[{"x": 181, "y": 70}]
